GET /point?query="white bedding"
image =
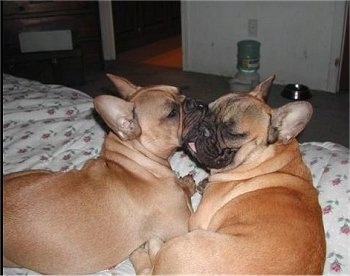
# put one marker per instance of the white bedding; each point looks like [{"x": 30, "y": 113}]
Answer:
[{"x": 53, "y": 127}]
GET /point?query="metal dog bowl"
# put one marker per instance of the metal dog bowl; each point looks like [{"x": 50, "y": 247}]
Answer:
[{"x": 296, "y": 92}]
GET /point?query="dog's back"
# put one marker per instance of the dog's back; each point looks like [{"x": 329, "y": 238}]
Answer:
[
  {"x": 57, "y": 222},
  {"x": 268, "y": 224}
]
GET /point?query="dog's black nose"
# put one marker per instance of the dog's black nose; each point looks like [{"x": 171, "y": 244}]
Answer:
[
  {"x": 191, "y": 104},
  {"x": 204, "y": 131}
]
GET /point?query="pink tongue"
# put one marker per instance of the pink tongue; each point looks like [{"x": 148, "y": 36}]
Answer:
[{"x": 192, "y": 146}]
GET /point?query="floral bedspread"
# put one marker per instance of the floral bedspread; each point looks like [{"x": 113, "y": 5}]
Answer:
[{"x": 54, "y": 127}]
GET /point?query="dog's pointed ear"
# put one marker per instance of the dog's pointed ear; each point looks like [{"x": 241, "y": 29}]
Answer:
[
  {"x": 118, "y": 114},
  {"x": 288, "y": 121},
  {"x": 124, "y": 87},
  {"x": 262, "y": 90}
]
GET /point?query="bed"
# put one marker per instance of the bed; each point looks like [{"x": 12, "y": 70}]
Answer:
[{"x": 54, "y": 127}]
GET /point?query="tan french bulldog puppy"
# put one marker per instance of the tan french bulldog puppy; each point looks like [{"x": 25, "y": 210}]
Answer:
[
  {"x": 87, "y": 220},
  {"x": 259, "y": 213}
]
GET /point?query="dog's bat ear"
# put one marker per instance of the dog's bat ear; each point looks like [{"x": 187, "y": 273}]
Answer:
[
  {"x": 118, "y": 114},
  {"x": 124, "y": 87},
  {"x": 262, "y": 90},
  {"x": 289, "y": 120}
]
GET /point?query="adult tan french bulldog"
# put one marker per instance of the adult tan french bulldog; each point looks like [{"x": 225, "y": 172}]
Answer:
[
  {"x": 87, "y": 220},
  {"x": 259, "y": 213}
]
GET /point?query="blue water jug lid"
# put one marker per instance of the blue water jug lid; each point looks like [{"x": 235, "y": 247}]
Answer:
[{"x": 248, "y": 49}]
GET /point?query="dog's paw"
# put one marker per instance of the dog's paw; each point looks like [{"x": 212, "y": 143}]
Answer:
[
  {"x": 153, "y": 246},
  {"x": 140, "y": 259},
  {"x": 202, "y": 185},
  {"x": 140, "y": 250},
  {"x": 188, "y": 184}
]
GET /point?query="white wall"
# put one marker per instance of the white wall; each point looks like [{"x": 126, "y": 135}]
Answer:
[{"x": 299, "y": 40}]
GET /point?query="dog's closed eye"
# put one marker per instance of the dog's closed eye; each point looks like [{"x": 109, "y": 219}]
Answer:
[
  {"x": 228, "y": 130},
  {"x": 174, "y": 110},
  {"x": 172, "y": 113},
  {"x": 234, "y": 135},
  {"x": 238, "y": 135}
]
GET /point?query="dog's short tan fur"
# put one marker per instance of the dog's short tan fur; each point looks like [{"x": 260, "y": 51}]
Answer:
[
  {"x": 87, "y": 220},
  {"x": 259, "y": 213}
]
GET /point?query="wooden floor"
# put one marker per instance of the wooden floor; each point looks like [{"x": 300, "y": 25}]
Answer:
[{"x": 166, "y": 53}]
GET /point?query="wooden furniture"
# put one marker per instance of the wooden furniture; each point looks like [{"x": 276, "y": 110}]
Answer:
[
  {"x": 58, "y": 67},
  {"x": 65, "y": 67}
]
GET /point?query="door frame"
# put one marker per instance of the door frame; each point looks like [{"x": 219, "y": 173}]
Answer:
[
  {"x": 337, "y": 45},
  {"x": 107, "y": 29}
]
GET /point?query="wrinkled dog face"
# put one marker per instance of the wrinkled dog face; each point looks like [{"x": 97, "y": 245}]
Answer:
[
  {"x": 194, "y": 113},
  {"x": 155, "y": 115},
  {"x": 158, "y": 110},
  {"x": 239, "y": 125},
  {"x": 165, "y": 115},
  {"x": 234, "y": 123}
]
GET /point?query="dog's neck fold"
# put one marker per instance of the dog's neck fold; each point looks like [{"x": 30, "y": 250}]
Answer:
[
  {"x": 114, "y": 148},
  {"x": 270, "y": 162}
]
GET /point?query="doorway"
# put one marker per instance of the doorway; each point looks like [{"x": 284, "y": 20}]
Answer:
[
  {"x": 344, "y": 69},
  {"x": 148, "y": 32}
]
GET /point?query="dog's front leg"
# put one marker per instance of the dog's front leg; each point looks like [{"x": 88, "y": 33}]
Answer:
[
  {"x": 141, "y": 261},
  {"x": 143, "y": 257},
  {"x": 188, "y": 185},
  {"x": 154, "y": 245}
]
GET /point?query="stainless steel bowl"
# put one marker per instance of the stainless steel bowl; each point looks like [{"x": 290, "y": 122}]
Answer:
[{"x": 296, "y": 91}]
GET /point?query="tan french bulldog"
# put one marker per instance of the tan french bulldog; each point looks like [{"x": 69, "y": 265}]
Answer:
[
  {"x": 87, "y": 220},
  {"x": 259, "y": 213}
]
